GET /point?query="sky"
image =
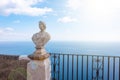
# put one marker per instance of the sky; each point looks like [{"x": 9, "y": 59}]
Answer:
[{"x": 66, "y": 20}]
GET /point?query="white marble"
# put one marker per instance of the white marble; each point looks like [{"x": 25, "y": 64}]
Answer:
[
  {"x": 39, "y": 70},
  {"x": 41, "y": 38}
]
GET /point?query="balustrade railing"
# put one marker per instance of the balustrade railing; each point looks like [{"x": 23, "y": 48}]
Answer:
[{"x": 84, "y": 67}]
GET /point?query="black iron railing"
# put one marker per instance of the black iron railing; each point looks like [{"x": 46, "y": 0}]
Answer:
[{"x": 84, "y": 67}]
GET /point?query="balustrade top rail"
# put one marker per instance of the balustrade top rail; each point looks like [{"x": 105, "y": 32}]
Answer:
[{"x": 85, "y": 55}]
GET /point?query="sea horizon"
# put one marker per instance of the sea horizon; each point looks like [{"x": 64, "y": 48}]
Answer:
[{"x": 65, "y": 47}]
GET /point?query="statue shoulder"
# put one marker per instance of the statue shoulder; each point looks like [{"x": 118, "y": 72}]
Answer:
[
  {"x": 34, "y": 36},
  {"x": 48, "y": 35}
]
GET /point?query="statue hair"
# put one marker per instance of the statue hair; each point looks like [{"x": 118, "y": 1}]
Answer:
[{"x": 41, "y": 22}]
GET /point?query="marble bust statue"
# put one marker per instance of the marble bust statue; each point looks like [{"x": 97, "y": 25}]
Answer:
[
  {"x": 40, "y": 39},
  {"x": 39, "y": 67}
]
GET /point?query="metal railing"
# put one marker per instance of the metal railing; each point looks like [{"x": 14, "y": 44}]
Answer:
[{"x": 84, "y": 67}]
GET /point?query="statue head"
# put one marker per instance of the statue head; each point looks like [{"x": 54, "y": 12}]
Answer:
[{"x": 42, "y": 25}]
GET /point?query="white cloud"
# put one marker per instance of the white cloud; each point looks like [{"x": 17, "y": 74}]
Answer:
[
  {"x": 1, "y": 31},
  {"x": 9, "y": 34},
  {"x": 67, "y": 19},
  {"x": 22, "y": 7},
  {"x": 76, "y": 4},
  {"x": 9, "y": 29},
  {"x": 15, "y": 36},
  {"x": 6, "y": 30},
  {"x": 73, "y": 4}
]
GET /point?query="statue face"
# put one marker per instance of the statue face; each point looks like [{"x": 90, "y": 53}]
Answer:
[{"x": 42, "y": 27}]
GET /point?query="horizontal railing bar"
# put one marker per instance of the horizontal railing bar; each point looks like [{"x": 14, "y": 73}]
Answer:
[{"x": 84, "y": 55}]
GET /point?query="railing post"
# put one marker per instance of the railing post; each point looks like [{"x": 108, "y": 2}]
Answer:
[{"x": 39, "y": 67}]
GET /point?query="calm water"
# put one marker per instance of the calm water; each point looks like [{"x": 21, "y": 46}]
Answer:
[
  {"x": 26, "y": 48},
  {"x": 101, "y": 48}
]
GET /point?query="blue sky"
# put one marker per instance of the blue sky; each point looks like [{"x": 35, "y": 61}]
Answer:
[{"x": 66, "y": 20}]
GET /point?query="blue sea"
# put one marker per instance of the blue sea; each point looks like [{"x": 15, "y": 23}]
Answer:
[{"x": 91, "y": 48}]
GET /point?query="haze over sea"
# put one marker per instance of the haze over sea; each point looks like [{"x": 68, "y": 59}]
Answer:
[{"x": 91, "y": 48}]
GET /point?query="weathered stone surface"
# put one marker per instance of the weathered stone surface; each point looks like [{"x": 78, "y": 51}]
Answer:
[
  {"x": 39, "y": 56},
  {"x": 39, "y": 67},
  {"x": 39, "y": 70},
  {"x": 40, "y": 39}
]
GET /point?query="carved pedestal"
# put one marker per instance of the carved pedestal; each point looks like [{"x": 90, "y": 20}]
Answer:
[
  {"x": 39, "y": 70},
  {"x": 39, "y": 67}
]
